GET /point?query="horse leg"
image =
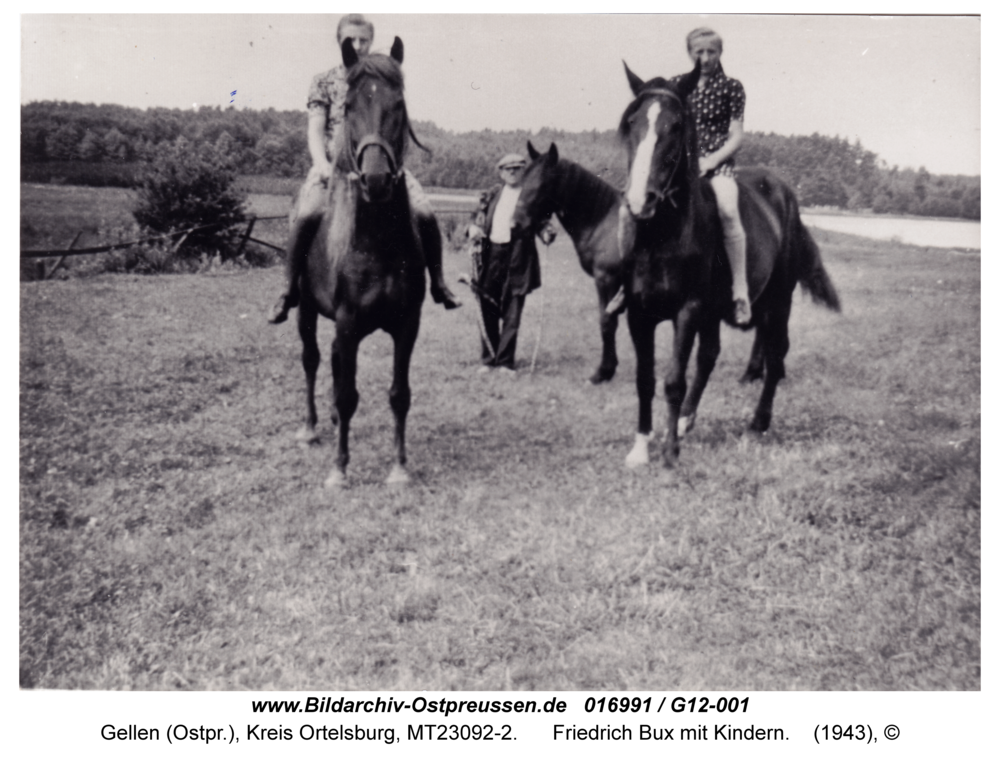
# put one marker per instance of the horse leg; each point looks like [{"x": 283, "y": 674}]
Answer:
[
  {"x": 609, "y": 327},
  {"x": 345, "y": 396},
  {"x": 708, "y": 353},
  {"x": 399, "y": 396},
  {"x": 643, "y": 332},
  {"x": 755, "y": 368},
  {"x": 675, "y": 385},
  {"x": 775, "y": 347},
  {"x": 310, "y": 363}
]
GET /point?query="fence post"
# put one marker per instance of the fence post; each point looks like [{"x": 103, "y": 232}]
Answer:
[
  {"x": 181, "y": 241},
  {"x": 61, "y": 259},
  {"x": 246, "y": 236}
]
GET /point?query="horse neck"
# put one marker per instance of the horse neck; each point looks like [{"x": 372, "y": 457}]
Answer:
[
  {"x": 383, "y": 221},
  {"x": 582, "y": 199}
]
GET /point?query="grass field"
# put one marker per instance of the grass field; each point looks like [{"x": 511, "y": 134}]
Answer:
[{"x": 173, "y": 535}]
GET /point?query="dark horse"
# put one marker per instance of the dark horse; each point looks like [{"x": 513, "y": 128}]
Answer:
[
  {"x": 587, "y": 208},
  {"x": 677, "y": 268},
  {"x": 365, "y": 269}
]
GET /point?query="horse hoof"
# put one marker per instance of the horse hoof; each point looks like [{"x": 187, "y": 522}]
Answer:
[
  {"x": 307, "y": 434},
  {"x": 639, "y": 455},
  {"x": 600, "y": 377},
  {"x": 337, "y": 480},
  {"x": 685, "y": 425},
  {"x": 398, "y": 476}
]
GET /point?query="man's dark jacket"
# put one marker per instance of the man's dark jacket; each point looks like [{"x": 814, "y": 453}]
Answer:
[{"x": 524, "y": 273}]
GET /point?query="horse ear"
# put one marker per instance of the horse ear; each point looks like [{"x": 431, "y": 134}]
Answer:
[
  {"x": 397, "y": 50},
  {"x": 689, "y": 82},
  {"x": 552, "y": 157},
  {"x": 633, "y": 81},
  {"x": 348, "y": 53},
  {"x": 532, "y": 153}
]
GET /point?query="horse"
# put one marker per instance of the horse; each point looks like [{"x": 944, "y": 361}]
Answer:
[
  {"x": 365, "y": 269},
  {"x": 676, "y": 267},
  {"x": 587, "y": 208}
]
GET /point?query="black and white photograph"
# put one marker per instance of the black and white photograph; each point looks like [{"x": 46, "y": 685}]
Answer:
[{"x": 555, "y": 352}]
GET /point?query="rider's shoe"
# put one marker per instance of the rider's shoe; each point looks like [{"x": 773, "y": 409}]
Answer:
[
  {"x": 441, "y": 294},
  {"x": 741, "y": 311}
]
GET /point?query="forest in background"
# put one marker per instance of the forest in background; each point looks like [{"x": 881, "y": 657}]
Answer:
[{"x": 86, "y": 144}]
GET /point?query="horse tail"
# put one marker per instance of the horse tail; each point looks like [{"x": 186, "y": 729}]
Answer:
[{"x": 812, "y": 275}]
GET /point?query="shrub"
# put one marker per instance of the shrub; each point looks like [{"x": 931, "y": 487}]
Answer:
[{"x": 180, "y": 187}]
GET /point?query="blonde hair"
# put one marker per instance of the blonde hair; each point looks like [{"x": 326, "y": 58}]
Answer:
[
  {"x": 700, "y": 33},
  {"x": 354, "y": 19}
]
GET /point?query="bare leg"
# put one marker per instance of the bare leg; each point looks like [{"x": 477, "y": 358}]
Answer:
[
  {"x": 305, "y": 221},
  {"x": 735, "y": 240}
]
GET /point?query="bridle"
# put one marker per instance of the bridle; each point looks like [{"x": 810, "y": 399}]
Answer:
[
  {"x": 355, "y": 156},
  {"x": 669, "y": 190}
]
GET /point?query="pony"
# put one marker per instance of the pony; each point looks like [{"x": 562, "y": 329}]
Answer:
[
  {"x": 365, "y": 269},
  {"x": 676, "y": 268},
  {"x": 587, "y": 208}
]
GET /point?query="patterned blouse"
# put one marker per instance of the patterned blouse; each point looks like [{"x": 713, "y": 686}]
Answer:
[
  {"x": 327, "y": 95},
  {"x": 717, "y": 104}
]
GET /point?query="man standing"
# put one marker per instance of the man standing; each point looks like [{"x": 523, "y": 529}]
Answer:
[
  {"x": 325, "y": 135},
  {"x": 509, "y": 267}
]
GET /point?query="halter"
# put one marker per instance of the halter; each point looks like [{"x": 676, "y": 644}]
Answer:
[{"x": 355, "y": 156}]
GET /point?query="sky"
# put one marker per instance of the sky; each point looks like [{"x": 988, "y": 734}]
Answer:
[{"x": 907, "y": 87}]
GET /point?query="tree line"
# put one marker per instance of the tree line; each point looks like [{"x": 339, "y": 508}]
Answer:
[{"x": 102, "y": 144}]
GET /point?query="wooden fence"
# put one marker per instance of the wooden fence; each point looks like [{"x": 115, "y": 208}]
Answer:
[{"x": 181, "y": 236}]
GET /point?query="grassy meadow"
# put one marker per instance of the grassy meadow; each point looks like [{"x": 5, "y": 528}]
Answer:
[{"x": 174, "y": 535}]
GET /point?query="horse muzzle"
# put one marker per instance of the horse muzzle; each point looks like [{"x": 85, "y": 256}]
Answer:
[
  {"x": 376, "y": 169},
  {"x": 644, "y": 208},
  {"x": 377, "y": 187}
]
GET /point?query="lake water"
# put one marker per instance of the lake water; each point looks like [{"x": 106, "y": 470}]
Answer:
[{"x": 935, "y": 233}]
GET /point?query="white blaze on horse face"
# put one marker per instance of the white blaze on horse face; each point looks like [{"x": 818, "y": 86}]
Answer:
[{"x": 642, "y": 163}]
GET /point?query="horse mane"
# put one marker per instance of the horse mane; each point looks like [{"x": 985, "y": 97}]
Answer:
[
  {"x": 376, "y": 65},
  {"x": 586, "y": 185}
]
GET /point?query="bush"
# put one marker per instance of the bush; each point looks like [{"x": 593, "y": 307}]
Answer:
[{"x": 180, "y": 187}]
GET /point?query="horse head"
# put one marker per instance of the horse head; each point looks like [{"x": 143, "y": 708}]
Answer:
[
  {"x": 535, "y": 204},
  {"x": 659, "y": 140},
  {"x": 376, "y": 123}
]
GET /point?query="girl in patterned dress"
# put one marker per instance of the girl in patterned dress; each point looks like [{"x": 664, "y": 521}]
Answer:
[{"x": 717, "y": 106}]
